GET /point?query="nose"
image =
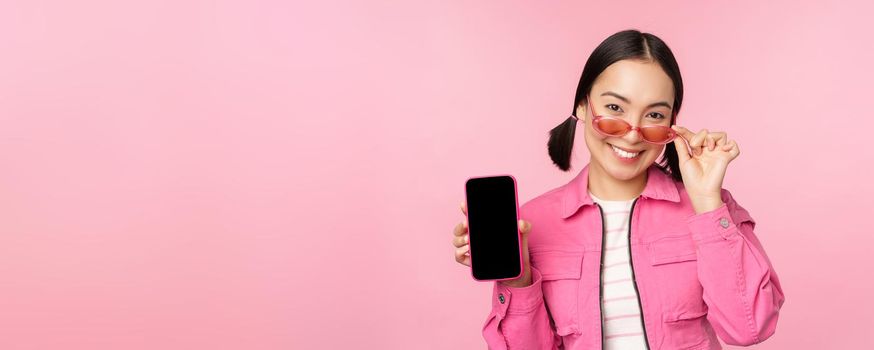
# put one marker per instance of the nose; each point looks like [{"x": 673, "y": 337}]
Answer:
[{"x": 633, "y": 136}]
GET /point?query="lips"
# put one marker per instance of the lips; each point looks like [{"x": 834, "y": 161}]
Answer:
[{"x": 626, "y": 149}]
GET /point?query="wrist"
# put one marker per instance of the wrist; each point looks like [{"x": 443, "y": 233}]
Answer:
[
  {"x": 520, "y": 282},
  {"x": 703, "y": 205}
]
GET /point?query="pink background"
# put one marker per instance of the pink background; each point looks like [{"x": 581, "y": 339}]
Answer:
[{"x": 265, "y": 175}]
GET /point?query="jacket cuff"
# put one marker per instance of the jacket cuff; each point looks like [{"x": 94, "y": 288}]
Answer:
[
  {"x": 712, "y": 225},
  {"x": 518, "y": 300}
]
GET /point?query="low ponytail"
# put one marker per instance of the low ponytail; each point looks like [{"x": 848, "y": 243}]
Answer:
[{"x": 561, "y": 143}]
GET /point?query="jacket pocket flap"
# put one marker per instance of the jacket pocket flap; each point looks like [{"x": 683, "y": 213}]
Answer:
[
  {"x": 684, "y": 315},
  {"x": 672, "y": 249},
  {"x": 557, "y": 264}
]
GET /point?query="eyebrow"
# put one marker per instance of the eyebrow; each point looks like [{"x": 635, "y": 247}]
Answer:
[{"x": 660, "y": 103}]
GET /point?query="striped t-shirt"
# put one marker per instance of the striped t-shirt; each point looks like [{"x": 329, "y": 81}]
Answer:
[{"x": 623, "y": 328}]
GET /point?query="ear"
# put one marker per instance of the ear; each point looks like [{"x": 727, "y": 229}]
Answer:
[{"x": 581, "y": 110}]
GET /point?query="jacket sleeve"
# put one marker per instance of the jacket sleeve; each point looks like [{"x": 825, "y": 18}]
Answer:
[
  {"x": 519, "y": 319},
  {"x": 741, "y": 289}
]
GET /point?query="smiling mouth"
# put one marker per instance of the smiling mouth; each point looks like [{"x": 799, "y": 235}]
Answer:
[{"x": 625, "y": 154}]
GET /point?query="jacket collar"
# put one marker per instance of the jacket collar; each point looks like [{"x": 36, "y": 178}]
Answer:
[{"x": 576, "y": 192}]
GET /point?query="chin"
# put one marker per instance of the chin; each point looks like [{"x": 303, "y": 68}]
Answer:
[{"x": 624, "y": 174}]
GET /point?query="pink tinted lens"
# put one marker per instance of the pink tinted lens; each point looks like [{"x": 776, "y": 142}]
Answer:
[
  {"x": 613, "y": 127},
  {"x": 651, "y": 133},
  {"x": 657, "y": 133}
]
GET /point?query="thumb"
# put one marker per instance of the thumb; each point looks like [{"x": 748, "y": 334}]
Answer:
[
  {"x": 524, "y": 227},
  {"x": 680, "y": 145}
]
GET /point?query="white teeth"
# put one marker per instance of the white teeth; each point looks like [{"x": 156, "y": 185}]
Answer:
[{"x": 624, "y": 154}]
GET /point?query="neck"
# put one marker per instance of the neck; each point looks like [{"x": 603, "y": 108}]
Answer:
[{"x": 607, "y": 187}]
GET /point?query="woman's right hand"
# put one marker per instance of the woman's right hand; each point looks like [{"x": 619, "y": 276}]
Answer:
[{"x": 461, "y": 241}]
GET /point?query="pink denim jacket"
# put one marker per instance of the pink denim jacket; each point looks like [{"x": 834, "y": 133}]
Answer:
[{"x": 699, "y": 276}]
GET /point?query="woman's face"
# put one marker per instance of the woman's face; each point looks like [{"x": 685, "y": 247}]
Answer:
[{"x": 640, "y": 93}]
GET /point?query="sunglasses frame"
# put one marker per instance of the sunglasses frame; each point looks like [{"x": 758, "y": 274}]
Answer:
[{"x": 597, "y": 118}]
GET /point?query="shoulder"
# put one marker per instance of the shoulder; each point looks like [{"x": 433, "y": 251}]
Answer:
[
  {"x": 543, "y": 206},
  {"x": 544, "y": 214},
  {"x": 544, "y": 211}
]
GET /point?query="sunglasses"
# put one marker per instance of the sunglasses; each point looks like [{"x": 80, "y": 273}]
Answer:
[{"x": 616, "y": 127}]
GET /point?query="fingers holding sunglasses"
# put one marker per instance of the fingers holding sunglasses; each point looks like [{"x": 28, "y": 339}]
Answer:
[
  {"x": 716, "y": 139},
  {"x": 683, "y": 132},
  {"x": 698, "y": 142},
  {"x": 720, "y": 137},
  {"x": 732, "y": 148},
  {"x": 703, "y": 139},
  {"x": 680, "y": 144}
]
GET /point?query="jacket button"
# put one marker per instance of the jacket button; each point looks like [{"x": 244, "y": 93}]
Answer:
[
  {"x": 723, "y": 222},
  {"x": 501, "y": 297}
]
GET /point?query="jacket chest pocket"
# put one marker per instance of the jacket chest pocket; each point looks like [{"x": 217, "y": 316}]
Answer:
[
  {"x": 675, "y": 267},
  {"x": 560, "y": 271},
  {"x": 675, "y": 263}
]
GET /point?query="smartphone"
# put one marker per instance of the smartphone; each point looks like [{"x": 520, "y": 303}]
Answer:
[{"x": 492, "y": 223}]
